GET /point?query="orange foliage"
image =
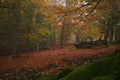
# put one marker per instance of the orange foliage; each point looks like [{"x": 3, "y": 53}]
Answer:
[{"x": 49, "y": 61}]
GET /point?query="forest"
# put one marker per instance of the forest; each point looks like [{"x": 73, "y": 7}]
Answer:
[{"x": 59, "y": 39}]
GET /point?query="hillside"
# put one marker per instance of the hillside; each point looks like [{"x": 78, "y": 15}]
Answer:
[{"x": 105, "y": 69}]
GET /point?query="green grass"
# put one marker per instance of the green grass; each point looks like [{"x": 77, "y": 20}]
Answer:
[
  {"x": 109, "y": 77},
  {"x": 105, "y": 69},
  {"x": 56, "y": 76},
  {"x": 42, "y": 77}
]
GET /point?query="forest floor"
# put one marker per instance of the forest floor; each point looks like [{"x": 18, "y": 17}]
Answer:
[{"x": 49, "y": 61}]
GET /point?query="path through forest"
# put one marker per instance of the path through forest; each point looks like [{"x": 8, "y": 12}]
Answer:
[{"x": 52, "y": 60}]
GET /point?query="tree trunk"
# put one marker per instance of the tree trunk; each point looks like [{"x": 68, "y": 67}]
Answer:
[
  {"x": 111, "y": 35},
  {"x": 62, "y": 37},
  {"x": 114, "y": 35}
]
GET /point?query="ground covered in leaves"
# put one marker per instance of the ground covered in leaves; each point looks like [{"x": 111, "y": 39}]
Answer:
[{"x": 22, "y": 67}]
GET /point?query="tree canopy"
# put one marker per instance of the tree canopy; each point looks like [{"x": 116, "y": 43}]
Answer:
[{"x": 38, "y": 24}]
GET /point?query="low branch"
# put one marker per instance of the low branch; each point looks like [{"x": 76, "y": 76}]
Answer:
[
  {"x": 88, "y": 13},
  {"x": 94, "y": 7},
  {"x": 68, "y": 12},
  {"x": 82, "y": 6}
]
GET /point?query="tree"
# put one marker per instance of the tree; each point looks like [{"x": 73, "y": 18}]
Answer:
[
  {"x": 70, "y": 16},
  {"x": 112, "y": 22}
]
